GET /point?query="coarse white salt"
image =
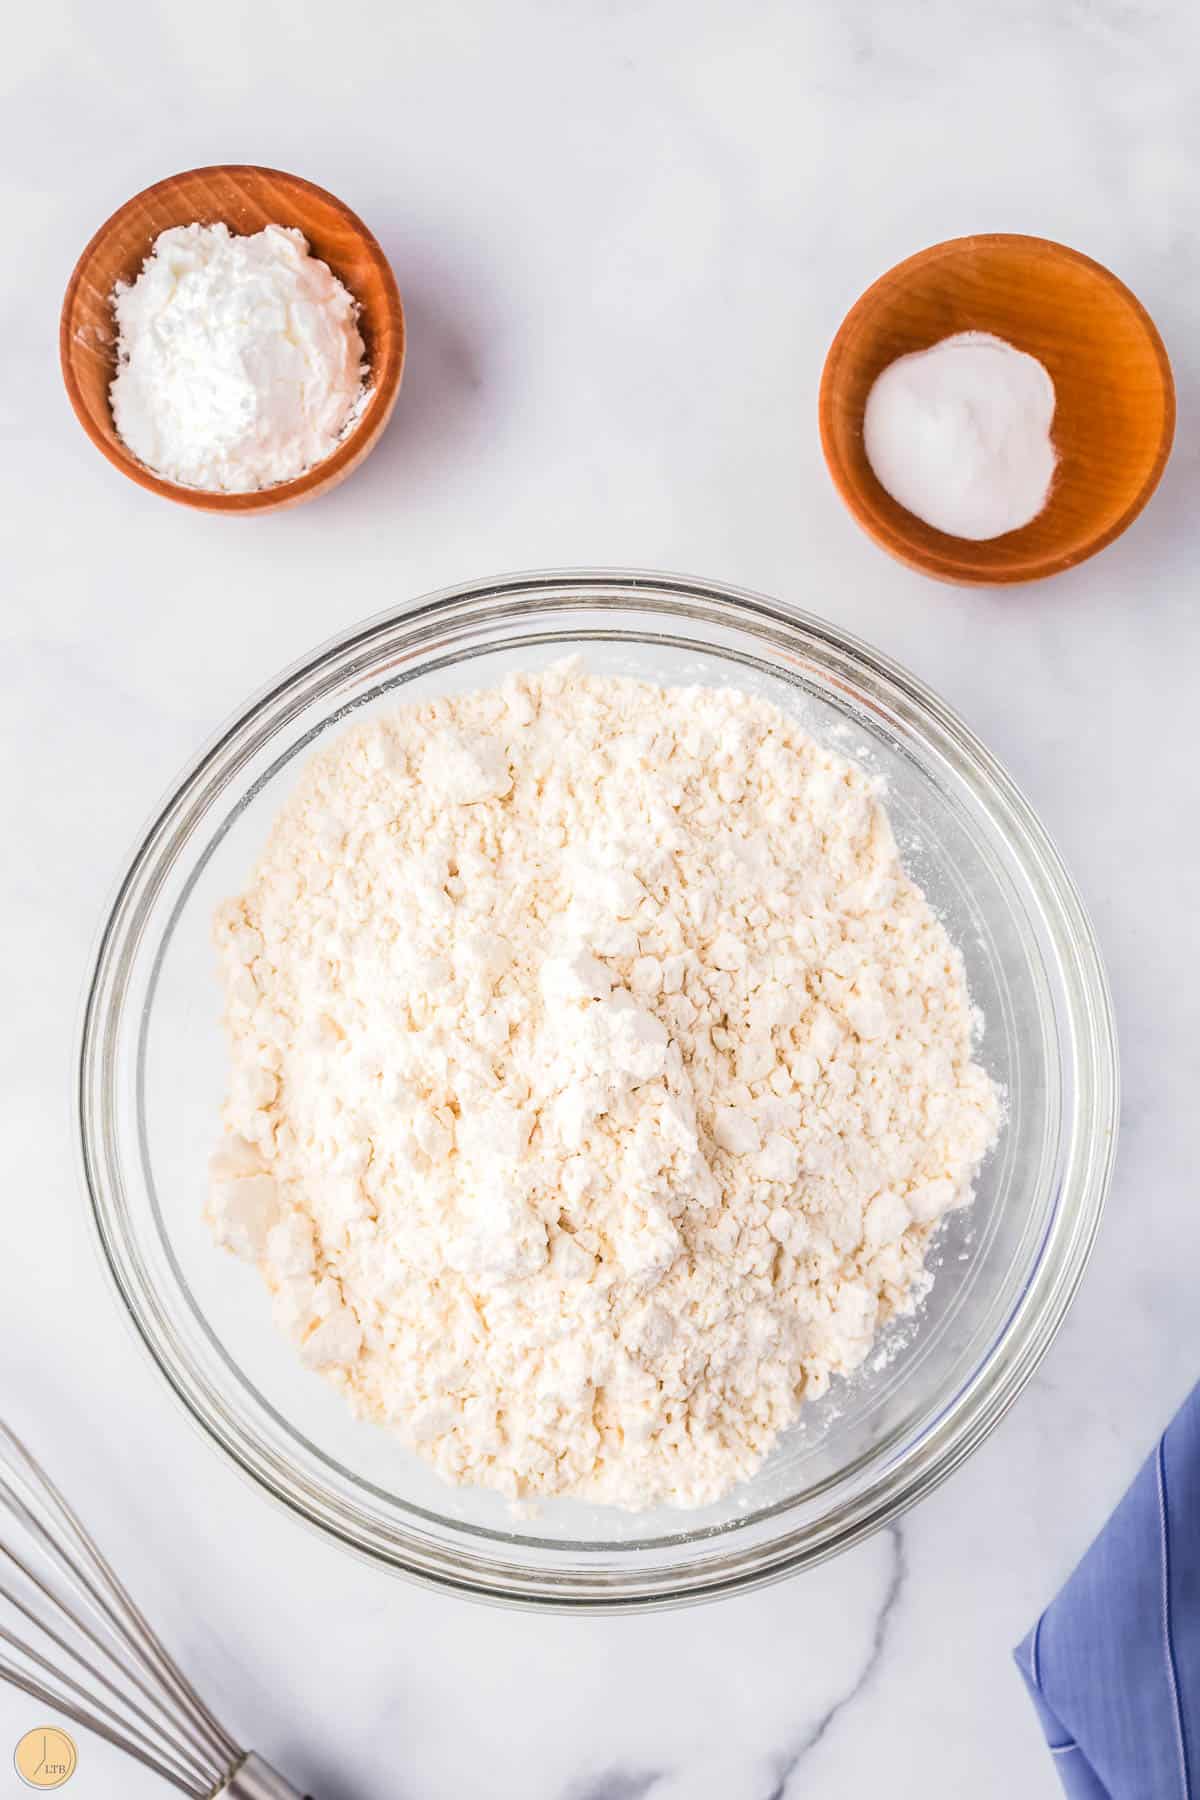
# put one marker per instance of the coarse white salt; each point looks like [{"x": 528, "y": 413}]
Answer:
[{"x": 960, "y": 435}]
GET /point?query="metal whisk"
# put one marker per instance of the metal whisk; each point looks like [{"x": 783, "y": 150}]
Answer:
[{"x": 71, "y": 1637}]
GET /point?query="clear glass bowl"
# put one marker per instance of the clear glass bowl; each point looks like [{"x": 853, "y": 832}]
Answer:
[{"x": 152, "y": 1065}]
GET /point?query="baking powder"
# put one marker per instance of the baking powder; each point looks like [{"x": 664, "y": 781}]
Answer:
[{"x": 240, "y": 362}]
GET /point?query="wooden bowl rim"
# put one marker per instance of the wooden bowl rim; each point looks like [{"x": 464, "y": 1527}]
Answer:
[
  {"x": 946, "y": 565},
  {"x": 366, "y": 431}
]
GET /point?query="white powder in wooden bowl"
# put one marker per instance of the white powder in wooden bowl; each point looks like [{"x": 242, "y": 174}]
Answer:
[
  {"x": 240, "y": 362},
  {"x": 960, "y": 435}
]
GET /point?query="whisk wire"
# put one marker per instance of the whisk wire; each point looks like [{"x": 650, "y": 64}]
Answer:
[
  {"x": 80, "y": 1715},
  {"x": 195, "y": 1750},
  {"x": 180, "y": 1704},
  {"x": 111, "y": 1673},
  {"x": 197, "y": 1746},
  {"x": 95, "y": 1707}
]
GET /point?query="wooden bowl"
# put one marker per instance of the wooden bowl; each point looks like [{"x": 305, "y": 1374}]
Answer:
[
  {"x": 1115, "y": 398},
  {"x": 246, "y": 198}
]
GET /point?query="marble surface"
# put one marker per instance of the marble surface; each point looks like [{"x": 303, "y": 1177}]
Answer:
[{"x": 625, "y": 233}]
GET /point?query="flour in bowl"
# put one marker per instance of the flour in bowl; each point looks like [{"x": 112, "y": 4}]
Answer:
[{"x": 598, "y": 1079}]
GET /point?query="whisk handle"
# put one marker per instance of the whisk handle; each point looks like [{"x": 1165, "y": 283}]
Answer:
[{"x": 253, "y": 1779}]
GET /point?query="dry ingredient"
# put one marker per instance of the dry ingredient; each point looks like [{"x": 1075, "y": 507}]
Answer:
[
  {"x": 240, "y": 362},
  {"x": 960, "y": 435},
  {"x": 598, "y": 1079}
]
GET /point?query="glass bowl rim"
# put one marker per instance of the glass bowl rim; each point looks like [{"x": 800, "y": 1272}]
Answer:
[{"x": 1090, "y": 1131}]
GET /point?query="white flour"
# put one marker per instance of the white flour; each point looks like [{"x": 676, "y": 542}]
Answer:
[
  {"x": 240, "y": 362},
  {"x": 598, "y": 1077}
]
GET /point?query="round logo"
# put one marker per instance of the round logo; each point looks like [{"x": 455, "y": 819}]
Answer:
[{"x": 46, "y": 1757}]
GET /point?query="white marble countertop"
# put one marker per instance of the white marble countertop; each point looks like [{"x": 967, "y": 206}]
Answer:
[{"x": 625, "y": 233}]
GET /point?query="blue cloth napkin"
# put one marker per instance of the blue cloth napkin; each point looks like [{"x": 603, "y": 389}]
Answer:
[{"x": 1113, "y": 1664}]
